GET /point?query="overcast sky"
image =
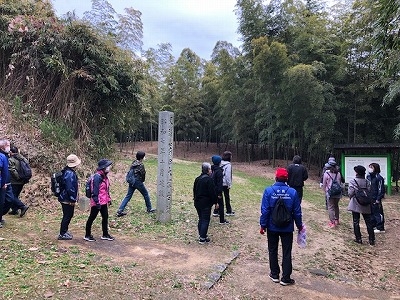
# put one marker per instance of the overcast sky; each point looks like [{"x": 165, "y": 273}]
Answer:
[{"x": 194, "y": 24}]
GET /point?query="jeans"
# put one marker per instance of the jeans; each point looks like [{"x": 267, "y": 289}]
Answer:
[
  {"x": 10, "y": 201},
  {"x": 16, "y": 189},
  {"x": 142, "y": 189},
  {"x": 368, "y": 223},
  {"x": 204, "y": 220},
  {"x": 104, "y": 219},
  {"x": 227, "y": 197},
  {"x": 378, "y": 217},
  {"x": 287, "y": 242},
  {"x": 68, "y": 213}
]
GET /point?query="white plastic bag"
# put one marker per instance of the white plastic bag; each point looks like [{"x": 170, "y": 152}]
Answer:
[{"x": 302, "y": 237}]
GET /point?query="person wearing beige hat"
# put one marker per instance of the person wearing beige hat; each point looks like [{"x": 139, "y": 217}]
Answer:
[{"x": 69, "y": 195}]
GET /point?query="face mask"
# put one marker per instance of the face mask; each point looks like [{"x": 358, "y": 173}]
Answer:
[
  {"x": 370, "y": 170},
  {"x": 108, "y": 169}
]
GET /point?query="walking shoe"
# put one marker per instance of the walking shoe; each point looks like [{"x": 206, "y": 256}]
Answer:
[
  {"x": 379, "y": 231},
  {"x": 215, "y": 213},
  {"x": 151, "y": 210},
  {"x": 337, "y": 222},
  {"x": 331, "y": 225},
  {"x": 232, "y": 213},
  {"x": 1, "y": 225},
  {"x": 68, "y": 233},
  {"x": 107, "y": 237},
  {"x": 120, "y": 214},
  {"x": 2, "y": 221},
  {"x": 358, "y": 241},
  {"x": 287, "y": 282},
  {"x": 23, "y": 211},
  {"x": 64, "y": 236},
  {"x": 13, "y": 212},
  {"x": 89, "y": 238},
  {"x": 225, "y": 222},
  {"x": 372, "y": 243},
  {"x": 202, "y": 241},
  {"x": 274, "y": 278}
]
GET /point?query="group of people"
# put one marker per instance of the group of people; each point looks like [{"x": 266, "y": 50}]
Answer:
[
  {"x": 11, "y": 184},
  {"x": 100, "y": 199},
  {"x": 210, "y": 189},
  {"x": 373, "y": 214}
]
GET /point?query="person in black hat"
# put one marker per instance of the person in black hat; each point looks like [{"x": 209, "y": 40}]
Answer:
[
  {"x": 140, "y": 177},
  {"x": 357, "y": 209},
  {"x": 100, "y": 201}
]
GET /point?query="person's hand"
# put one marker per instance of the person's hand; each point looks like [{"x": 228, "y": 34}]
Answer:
[
  {"x": 98, "y": 206},
  {"x": 300, "y": 228},
  {"x": 320, "y": 185},
  {"x": 217, "y": 206},
  {"x": 262, "y": 230}
]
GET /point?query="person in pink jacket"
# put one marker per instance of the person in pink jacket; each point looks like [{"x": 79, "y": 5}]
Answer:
[
  {"x": 100, "y": 201},
  {"x": 332, "y": 174}
]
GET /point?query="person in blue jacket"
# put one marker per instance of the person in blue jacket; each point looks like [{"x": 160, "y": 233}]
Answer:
[
  {"x": 292, "y": 203},
  {"x": 69, "y": 195}
]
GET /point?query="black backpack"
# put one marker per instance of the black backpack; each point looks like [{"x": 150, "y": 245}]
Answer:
[
  {"x": 89, "y": 185},
  {"x": 281, "y": 216},
  {"x": 57, "y": 183},
  {"x": 363, "y": 194},
  {"x": 335, "y": 189},
  {"x": 24, "y": 170}
]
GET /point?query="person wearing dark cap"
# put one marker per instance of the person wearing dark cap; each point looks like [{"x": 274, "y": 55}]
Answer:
[
  {"x": 332, "y": 179},
  {"x": 297, "y": 174},
  {"x": 204, "y": 197},
  {"x": 377, "y": 193},
  {"x": 357, "y": 209},
  {"x": 100, "y": 201},
  {"x": 217, "y": 176},
  {"x": 269, "y": 199},
  {"x": 140, "y": 176},
  {"x": 68, "y": 195}
]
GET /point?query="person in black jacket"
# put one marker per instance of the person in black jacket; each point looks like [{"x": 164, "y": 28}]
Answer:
[
  {"x": 205, "y": 197},
  {"x": 378, "y": 193},
  {"x": 217, "y": 175},
  {"x": 297, "y": 175}
]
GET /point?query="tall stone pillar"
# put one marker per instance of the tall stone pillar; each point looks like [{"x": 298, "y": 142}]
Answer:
[{"x": 165, "y": 154}]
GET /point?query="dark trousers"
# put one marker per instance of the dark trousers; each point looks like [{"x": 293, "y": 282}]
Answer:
[
  {"x": 287, "y": 242},
  {"x": 221, "y": 210},
  {"x": 68, "y": 213},
  {"x": 368, "y": 223},
  {"x": 2, "y": 200},
  {"x": 204, "y": 220},
  {"x": 227, "y": 198},
  {"x": 104, "y": 219},
  {"x": 10, "y": 201},
  {"x": 16, "y": 189},
  {"x": 299, "y": 190},
  {"x": 378, "y": 218}
]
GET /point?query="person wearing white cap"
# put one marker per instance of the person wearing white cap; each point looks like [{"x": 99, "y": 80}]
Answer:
[{"x": 68, "y": 195}]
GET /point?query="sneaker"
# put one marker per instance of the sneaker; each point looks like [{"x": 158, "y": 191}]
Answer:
[
  {"x": 152, "y": 210},
  {"x": 120, "y": 214},
  {"x": 2, "y": 221},
  {"x": 287, "y": 282},
  {"x": 23, "y": 211},
  {"x": 337, "y": 222},
  {"x": 89, "y": 238},
  {"x": 202, "y": 241},
  {"x": 372, "y": 243},
  {"x": 215, "y": 213},
  {"x": 64, "y": 237},
  {"x": 107, "y": 237},
  {"x": 232, "y": 213},
  {"x": 274, "y": 278},
  {"x": 379, "y": 231},
  {"x": 68, "y": 233},
  {"x": 331, "y": 224},
  {"x": 358, "y": 241},
  {"x": 13, "y": 212},
  {"x": 226, "y": 222},
  {"x": 1, "y": 225}
]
